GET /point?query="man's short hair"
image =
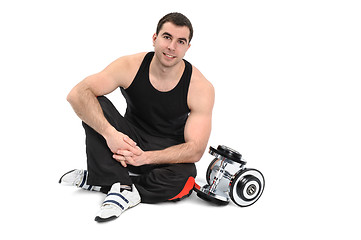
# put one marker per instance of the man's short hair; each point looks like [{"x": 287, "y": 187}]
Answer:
[{"x": 177, "y": 19}]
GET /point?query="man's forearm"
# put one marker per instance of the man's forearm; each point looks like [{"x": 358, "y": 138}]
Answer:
[
  {"x": 88, "y": 109},
  {"x": 183, "y": 153}
]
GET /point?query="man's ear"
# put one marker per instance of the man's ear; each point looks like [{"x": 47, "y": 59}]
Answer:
[{"x": 154, "y": 38}]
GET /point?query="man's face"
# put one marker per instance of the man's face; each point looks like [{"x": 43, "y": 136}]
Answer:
[{"x": 171, "y": 44}]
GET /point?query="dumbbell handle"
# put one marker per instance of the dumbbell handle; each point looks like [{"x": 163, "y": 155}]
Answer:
[{"x": 219, "y": 174}]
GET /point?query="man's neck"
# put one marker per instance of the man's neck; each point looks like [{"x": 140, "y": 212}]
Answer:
[
  {"x": 165, "y": 78},
  {"x": 161, "y": 72}
]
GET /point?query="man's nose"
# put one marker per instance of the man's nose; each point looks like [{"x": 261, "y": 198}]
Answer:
[{"x": 172, "y": 45}]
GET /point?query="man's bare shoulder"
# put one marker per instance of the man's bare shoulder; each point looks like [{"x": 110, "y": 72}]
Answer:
[
  {"x": 130, "y": 61},
  {"x": 200, "y": 84},
  {"x": 135, "y": 58},
  {"x": 201, "y": 91},
  {"x": 124, "y": 69}
]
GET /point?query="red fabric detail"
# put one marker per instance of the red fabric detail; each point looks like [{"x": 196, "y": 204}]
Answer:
[{"x": 186, "y": 189}]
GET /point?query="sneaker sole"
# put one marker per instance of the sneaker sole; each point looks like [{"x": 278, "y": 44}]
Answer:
[
  {"x": 60, "y": 180},
  {"x": 99, "y": 219}
]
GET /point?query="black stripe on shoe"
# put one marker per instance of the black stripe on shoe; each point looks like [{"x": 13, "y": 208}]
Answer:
[
  {"x": 119, "y": 195},
  {"x": 115, "y": 202},
  {"x": 84, "y": 178}
]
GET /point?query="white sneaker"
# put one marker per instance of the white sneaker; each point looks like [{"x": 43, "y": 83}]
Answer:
[
  {"x": 77, "y": 178},
  {"x": 116, "y": 202}
]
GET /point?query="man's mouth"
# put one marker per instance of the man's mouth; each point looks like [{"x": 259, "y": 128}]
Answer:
[{"x": 167, "y": 55}]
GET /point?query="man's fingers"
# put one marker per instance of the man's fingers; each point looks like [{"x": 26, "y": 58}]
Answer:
[
  {"x": 129, "y": 141},
  {"x": 138, "y": 151},
  {"x": 130, "y": 161},
  {"x": 135, "y": 151},
  {"x": 125, "y": 153},
  {"x": 130, "y": 151},
  {"x": 125, "y": 159},
  {"x": 120, "y": 159},
  {"x": 123, "y": 163}
]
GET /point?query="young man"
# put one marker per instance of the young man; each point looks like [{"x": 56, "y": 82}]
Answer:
[{"x": 164, "y": 131}]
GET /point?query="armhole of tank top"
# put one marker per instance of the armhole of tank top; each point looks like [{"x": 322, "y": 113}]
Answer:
[
  {"x": 141, "y": 69},
  {"x": 188, "y": 81}
]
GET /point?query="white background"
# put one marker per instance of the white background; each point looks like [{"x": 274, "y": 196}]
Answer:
[{"x": 286, "y": 75}]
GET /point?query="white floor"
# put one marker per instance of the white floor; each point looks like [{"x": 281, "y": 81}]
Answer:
[{"x": 290, "y": 208}]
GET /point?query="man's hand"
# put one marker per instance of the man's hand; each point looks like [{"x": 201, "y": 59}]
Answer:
[
  {"x": 122, "y": 146},
  {"x": 127, "y": 157}
]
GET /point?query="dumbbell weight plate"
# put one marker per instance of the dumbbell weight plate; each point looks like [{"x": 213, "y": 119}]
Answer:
[{"x": 246, "y": 187}]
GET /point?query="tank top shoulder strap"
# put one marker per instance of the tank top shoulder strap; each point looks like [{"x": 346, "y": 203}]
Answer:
[
  {"x": 187, "y": 74},
  {"x": 144, "y": 67},
  {"x": 142, "y": 72},
  {"x": 185, "y": 80},
  {"x": 147, "y": 59}
]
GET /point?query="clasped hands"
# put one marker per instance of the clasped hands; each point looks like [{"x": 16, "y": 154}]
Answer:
[{"x": 125, "y": 150}]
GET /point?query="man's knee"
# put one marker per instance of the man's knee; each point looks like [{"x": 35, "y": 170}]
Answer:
[
  {"x": 181, "y": 172},
  {"x": 109, "y": 110},
  {"x": 104, "y": 102},
  {"x": 186, "y": 179},
  {"x": 188, "y": 170}
]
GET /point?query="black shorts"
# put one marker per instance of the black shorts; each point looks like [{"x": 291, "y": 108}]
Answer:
[{"x": 155, "y": 183}]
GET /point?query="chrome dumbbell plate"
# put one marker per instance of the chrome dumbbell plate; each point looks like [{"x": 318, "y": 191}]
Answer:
[{"x": 246, "y": 187}]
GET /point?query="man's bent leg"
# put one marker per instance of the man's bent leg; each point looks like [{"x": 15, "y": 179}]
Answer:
[
  {"x": 103, "y": 169},
  {"x": 166, "y": 182}
]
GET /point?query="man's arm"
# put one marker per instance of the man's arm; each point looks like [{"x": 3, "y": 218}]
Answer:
[
  {"x": 83, "y": 99},
  {"x": 196, "y": 133}
]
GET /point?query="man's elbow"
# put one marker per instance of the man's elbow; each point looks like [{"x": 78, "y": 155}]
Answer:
[
  {"x": 71, "y": 96},
  {"x": 197, "y": 155},
  {"x": 75, "y": 94}
]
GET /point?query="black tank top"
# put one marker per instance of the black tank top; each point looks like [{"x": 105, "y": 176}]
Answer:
[{"x": 160, "y": 114}]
